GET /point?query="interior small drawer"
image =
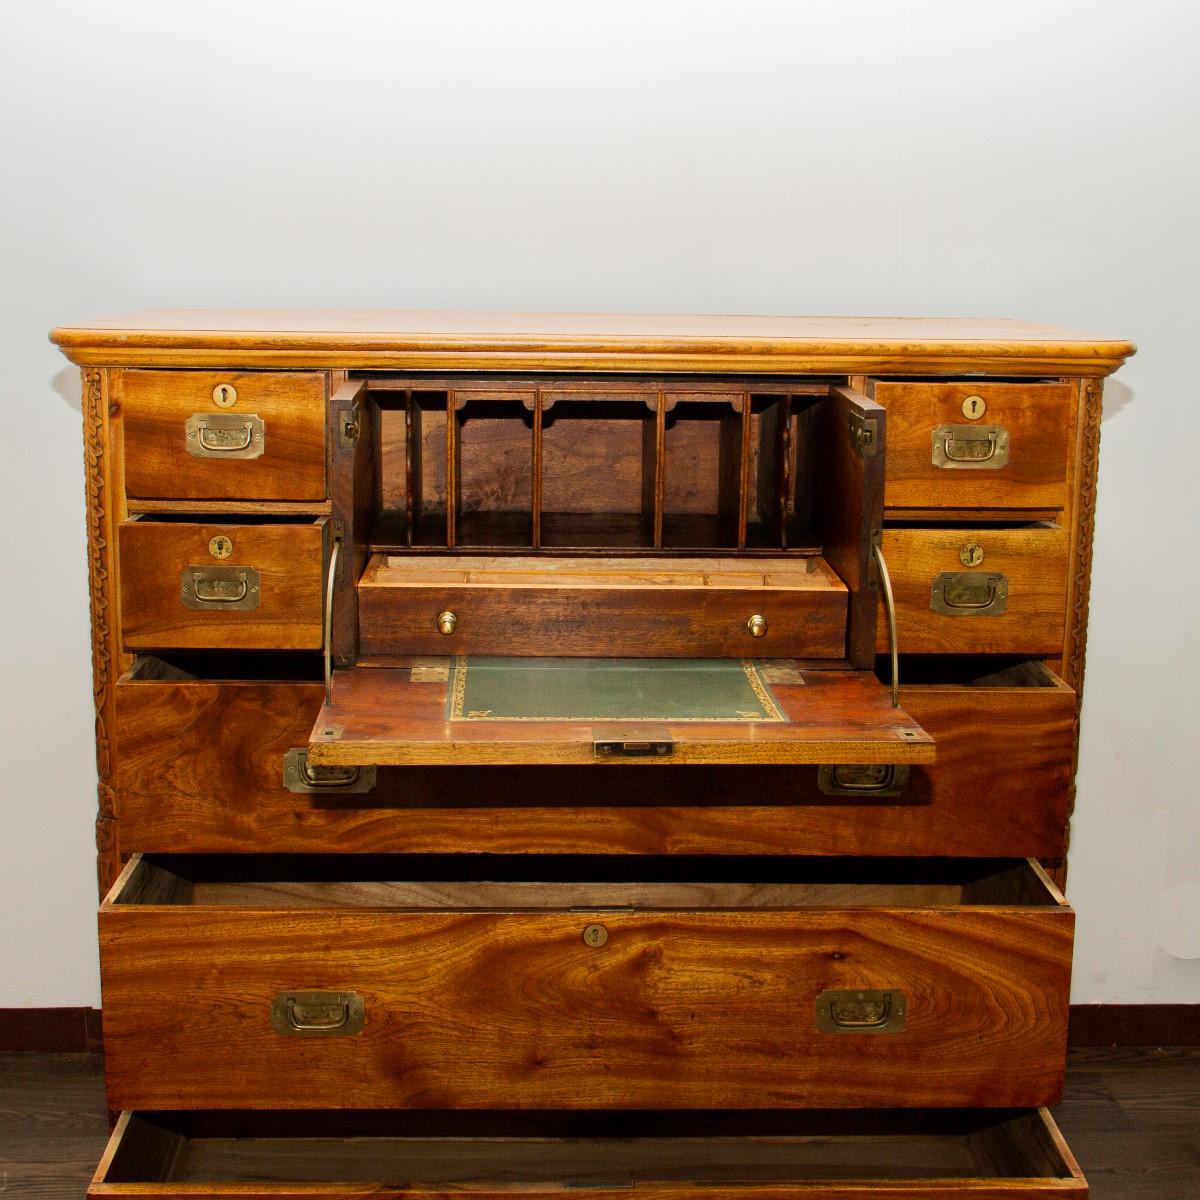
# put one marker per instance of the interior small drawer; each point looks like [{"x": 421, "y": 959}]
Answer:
[
  {"x": 703, "y": 607},
  {"x": 228, "y": 435},
  {"x": 209, "y": 584},
  {"x": 976, "y": 444},
  {"x": 918, "y": 1155},
  {"x": 973, "y": 589},
  {"x": 380, "y": 982}
]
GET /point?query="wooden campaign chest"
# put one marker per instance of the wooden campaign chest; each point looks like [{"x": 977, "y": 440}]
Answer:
[{"x": 586, "y": 753}]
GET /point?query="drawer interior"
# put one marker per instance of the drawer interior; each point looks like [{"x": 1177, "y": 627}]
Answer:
[
  {"x": 514, "y": 1152},
  {"x": 540, "y": 883}
]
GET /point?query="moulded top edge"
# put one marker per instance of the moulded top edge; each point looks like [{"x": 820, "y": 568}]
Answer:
[{"x": 595, "y": 341}]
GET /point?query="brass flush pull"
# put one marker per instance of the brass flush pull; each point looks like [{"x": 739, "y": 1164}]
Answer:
[
  {"x": 317, "y": 1014},
  {"x": 970, "y": 447},
  {"x": 757, "y": 626},
  {"x": 969, "y": 594},
  {"x": 224, "y": 435},
  {"x": 299, "y": 775},
  {"x": 234, "y": 589},
  {"x": 865, "y": 780},
  {"x": 869, "y": 1010},
  {"x": 447, "y": 622}
]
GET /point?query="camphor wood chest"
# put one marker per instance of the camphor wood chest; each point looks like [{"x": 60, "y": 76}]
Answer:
[{"x": 586, "y": 753}]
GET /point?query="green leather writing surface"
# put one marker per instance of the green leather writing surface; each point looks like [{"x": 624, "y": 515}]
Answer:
[{"x": 609, "y": 689}]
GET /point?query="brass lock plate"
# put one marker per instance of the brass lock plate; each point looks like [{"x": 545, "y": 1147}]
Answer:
[
  {"x": 969, "y": 594},
  {"x": 225, "y": 435},
  {"x": 862, "y": 1010},
  {"x": 224, "y": 589},
  {"x": 300, "y": 776},
  {"x": 970, "y": 447},
  {"x": 614, "y": 742},
  {"x": 318, "y": 1014},
  {"x": 863, "y": 780}
]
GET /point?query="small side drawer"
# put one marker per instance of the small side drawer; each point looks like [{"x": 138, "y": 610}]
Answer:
[
  {"x": 465, "y": 983},
  {"x": 228, "y": 586},
  {"x": 921, "y": 1155},
  {"x": 229, "y": 435},
  {"x": 976, "y": 444},
  {"x": 978, "y": 590}
]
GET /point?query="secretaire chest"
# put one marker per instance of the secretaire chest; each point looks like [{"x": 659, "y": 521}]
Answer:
[{"x": 546, "y": 752}]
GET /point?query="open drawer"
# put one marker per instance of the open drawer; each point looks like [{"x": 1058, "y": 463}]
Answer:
[
  {"x": 539, "y": 711},
  {"x": 569, "y": 606},
  {"x": 369, "y": 982},
  {"x": 920, "y": 1155}
]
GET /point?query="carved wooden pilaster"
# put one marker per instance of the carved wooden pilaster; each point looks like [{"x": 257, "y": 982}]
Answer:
[
  {"x": 1082, "y": 527},
  {"x": 98, "y": 464}
]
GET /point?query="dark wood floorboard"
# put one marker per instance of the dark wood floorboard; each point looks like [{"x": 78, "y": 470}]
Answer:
[{"x": 1132, "y": 1117}]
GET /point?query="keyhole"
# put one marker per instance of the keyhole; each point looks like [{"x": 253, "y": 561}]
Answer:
[
  {"x": 973, "y": 406},
  {"x": 224, "y": 395}
]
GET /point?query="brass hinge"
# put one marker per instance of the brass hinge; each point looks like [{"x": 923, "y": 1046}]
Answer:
[{"x": 864, "y": 433}]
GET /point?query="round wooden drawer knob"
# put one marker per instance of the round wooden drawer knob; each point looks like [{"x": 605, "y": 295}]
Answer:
[
  {"x": 446, "y": 623},
  {"x": 757, "y": 625}
]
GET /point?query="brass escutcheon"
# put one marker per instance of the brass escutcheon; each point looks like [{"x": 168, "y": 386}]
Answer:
[
  {"x": 971, "y": 555},
  {"x": 974, "y": 407},
  {"x": 595, "y": 936},
  {"x": 224, "y": 395},
  {"x": 220, "y": 546}
]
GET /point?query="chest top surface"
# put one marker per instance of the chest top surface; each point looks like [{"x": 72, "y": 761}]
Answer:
[{"x": 448, "y": 340}]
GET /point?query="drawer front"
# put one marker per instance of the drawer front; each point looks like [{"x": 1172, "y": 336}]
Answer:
[
  {"x": 581, "y": 622},
  {"x": 227, "y": 1007},
  {"x": 976, "y": 444},
  {"x": 205, "y": 435},
  {"x": 922, "y": 1155},
  {"x": 199, "y": 769},
  {"x": 1011, "y": 601},
  {"x": 188, "y": 585}
]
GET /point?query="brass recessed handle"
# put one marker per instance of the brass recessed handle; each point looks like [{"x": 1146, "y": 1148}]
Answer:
[
  {"x": 446, "y": 623},
  {"x": 317, "y": 1014},
  {"x": 870, "y": 1010},
  {"x": 757, "y": 626}
]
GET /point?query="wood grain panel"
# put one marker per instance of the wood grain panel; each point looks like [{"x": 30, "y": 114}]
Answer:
[
  {"x": 491, "y": 1009},
  {"x": 1036, "y": 416},
  {"x": 378, "y": 716},
  {"x": 157, "y": 404},
  {"x": 1034, "y": 560},
  {"x": 288, "y": 557}
]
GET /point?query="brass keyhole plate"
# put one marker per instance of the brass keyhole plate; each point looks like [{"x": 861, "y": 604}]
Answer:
[
  {"x": 971, "y": 555},
  {"x": 220, "y": 546},
  {"x": 973, "y": 407},
  {"x": 595, "y": 936},
  {"x": 224, "y": 395}
]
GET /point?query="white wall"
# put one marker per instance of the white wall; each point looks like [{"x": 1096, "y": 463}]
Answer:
[{"x": 1029, "y": 159}]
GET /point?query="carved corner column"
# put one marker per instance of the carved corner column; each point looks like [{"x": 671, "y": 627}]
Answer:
[
  {"x": 1085, "y": 473},
  {"x": 104, "y": 507}
]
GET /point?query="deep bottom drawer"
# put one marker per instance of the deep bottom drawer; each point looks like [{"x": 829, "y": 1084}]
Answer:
[
  {"x": 362, "y": 982},
  {"x": 811, "y": 1156}
]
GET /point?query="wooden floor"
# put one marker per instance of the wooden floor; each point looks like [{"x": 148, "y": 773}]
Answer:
[{"x": 1131, "y": 1116}]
